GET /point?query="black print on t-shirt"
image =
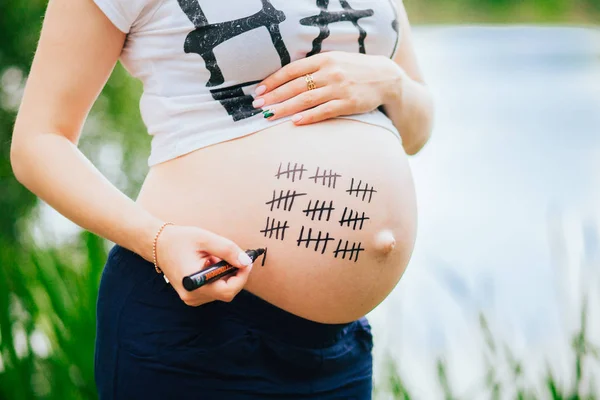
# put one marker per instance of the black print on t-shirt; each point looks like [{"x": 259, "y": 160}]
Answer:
[
  {"x": 325, "y": 17},
  {"x": 207, "y": 36},
  {"x": 236, "y": 102},
  {"x": 395, "y": 28}
]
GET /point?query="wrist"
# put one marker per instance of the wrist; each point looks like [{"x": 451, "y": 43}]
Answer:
[
  {"x": 393, "y": 88},
  {"x": 144, "y": 242}
]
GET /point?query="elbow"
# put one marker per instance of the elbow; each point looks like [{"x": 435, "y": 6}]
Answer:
[
  {"x": 423, "y": 130},
  {"x": 419, "y": 123},
  {"x": 417, "y": 144},
  {"x": 18, "y": 157},
  {"x": 18, "y": 167}
]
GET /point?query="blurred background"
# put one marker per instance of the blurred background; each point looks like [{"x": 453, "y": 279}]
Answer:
[{"x": 502, "y": 297}]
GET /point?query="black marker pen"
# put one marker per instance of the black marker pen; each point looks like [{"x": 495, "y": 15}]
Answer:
[{"x": 214, "y": 272}]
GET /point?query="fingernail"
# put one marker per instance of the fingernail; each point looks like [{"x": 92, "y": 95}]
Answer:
[
  {"x": 244, "y": 259},
  {"x": 296, "y": 117},
  {"x": 260, "y": 90},
  {"x": 258, "y": 103},
  {"x": 268, "y": 113}
]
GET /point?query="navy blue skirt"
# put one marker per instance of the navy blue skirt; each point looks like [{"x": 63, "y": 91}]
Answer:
[{"x": 151, "y": 345}]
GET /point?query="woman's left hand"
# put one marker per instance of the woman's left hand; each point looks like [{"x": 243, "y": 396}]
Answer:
[{"x": 345, "y": 83}]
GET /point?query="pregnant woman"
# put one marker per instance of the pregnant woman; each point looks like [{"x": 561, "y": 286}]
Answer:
[{"x": 275, "y": 124}]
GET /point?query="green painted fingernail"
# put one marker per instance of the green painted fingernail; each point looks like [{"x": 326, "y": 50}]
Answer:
[{"x": 268, "y": 113}]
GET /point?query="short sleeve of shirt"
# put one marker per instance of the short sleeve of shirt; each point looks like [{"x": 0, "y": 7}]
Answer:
[{"x": 122, "y": 13}]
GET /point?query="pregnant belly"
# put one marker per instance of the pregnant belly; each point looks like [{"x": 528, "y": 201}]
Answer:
[{"x": 333, "y": 203}]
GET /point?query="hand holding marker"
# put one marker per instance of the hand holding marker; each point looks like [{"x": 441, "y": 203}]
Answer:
[{"x": 214, "y": 272}]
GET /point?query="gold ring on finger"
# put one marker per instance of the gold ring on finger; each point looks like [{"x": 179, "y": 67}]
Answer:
[{"x": 310, "y": 83}]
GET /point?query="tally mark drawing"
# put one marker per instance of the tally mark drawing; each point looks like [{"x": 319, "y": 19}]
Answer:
[
  {"x": 353, "y": 218},
  {"x": 318, "y": 210},
  {"x": 359, "y": 189},
  {"x": 264, "y": 259},
  {"x": 318, "y": 240},
  {"x": 326, "y": 17},
  {"x": 290, "y": 171},
  {"x": 286, "y": 200},
  {"x": 280, "y": 228},
  {"x": 326, "y": 178},
  {"x": 352, "y": 252}
]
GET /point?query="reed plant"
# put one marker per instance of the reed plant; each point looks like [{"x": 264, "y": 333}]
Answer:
[{"x": 513, "y": 385}]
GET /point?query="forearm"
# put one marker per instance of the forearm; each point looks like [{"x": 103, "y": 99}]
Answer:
[
  {"x": 409, "y": 104},
  {"x": 55, "y": 170}
]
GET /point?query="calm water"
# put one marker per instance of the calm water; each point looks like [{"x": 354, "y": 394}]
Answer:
[{"x": 509, "y": 203}]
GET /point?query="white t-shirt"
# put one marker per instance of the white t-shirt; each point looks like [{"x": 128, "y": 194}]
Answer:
[{"x": 200, "y": 60}]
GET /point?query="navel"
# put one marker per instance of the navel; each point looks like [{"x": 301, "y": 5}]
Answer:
[{"x": 384, "y": 242}]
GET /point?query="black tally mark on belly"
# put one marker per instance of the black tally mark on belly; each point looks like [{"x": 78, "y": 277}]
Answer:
[
  {"x": 271, "y": 228},
  {"x": 290, "y": 171},
  {"x": 326, "y": 178},
  {"x": 285, "y": 200},
  {"x": 359, "y": 189},
  {"x": 318, "y": 240},
  {"x": 264, "y": 258},
  {"x": 353, "y": 218},
  {"x": 352, "y": 251},
  {"x": 318, "y": 210},
  {"x": 325, "y": 17},
  {"x": 207, "y": 36}
]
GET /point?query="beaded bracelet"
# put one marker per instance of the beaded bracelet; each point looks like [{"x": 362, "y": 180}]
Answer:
[{"x": 158, "y": 270}]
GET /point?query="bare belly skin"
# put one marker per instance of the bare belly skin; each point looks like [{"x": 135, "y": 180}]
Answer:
[{"x": 326, "y": 260}]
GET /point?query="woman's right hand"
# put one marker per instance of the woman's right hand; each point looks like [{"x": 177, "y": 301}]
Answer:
[{"x": 184, "y": 250}]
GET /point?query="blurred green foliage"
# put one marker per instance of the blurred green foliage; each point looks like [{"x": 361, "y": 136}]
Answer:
[
  {"x": 48, "y": 322},
  {"x": 47, "y": 296},
  {"x": 504, "y": 11}
]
